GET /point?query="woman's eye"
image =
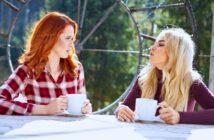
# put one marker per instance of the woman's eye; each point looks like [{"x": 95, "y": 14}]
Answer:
[
  {"x": 68, "y": 38},
  {"x": 161, "y": 44}
]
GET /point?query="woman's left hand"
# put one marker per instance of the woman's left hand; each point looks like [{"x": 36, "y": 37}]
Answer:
[
  {"x": 168, "y": 114},
  {"x": 87, "y": 107}
]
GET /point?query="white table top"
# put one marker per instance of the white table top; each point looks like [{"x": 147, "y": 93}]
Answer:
[{"x": 94, "y": 127}]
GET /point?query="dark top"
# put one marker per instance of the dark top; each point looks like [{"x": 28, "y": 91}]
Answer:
[{"x": 198, "y": 93}]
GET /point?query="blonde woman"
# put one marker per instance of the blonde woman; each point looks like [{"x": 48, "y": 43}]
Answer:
[{"x": 171, "y": 80}]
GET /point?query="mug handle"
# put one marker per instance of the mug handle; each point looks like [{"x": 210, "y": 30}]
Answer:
[
  {"x": 157, "y": 110},
  {"x": 157, "y": 115}
]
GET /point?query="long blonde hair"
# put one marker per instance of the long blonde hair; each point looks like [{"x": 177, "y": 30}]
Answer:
[{"x": 177, "y": 74}]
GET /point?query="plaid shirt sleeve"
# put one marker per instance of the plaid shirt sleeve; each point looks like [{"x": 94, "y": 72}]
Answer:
[
  {"x": 81, "y": 79},
  {"x": 10, "y": 90}
]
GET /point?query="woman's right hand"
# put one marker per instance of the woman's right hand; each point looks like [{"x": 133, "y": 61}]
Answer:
[
  {"x": 125, "y": 114},
  {"x": 57, "y": 105}
]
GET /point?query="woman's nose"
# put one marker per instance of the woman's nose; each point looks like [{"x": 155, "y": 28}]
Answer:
[
  {"x": 152, "y": 47},
  {"x": 155, "y": 45}
]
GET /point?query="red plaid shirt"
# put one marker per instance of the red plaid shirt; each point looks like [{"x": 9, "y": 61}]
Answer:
[{"x": 40, "y": 91}]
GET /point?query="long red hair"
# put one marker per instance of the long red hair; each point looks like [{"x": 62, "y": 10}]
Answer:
[{"x": 40, "y": 43}]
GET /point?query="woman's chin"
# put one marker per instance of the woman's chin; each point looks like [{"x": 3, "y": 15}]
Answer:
[{"x": 64, "y": 57}]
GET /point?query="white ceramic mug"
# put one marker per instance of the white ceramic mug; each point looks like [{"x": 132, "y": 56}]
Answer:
[
  {"x": 75, "y": 103},
  {"x": 145, "y": 109}
]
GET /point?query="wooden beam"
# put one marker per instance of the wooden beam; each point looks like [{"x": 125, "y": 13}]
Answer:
[{"x": 211, "y": 76}]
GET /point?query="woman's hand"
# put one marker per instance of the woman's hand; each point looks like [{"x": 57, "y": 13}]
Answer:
[
  {"x": 57, "y": 105},
  {"x": 87, "y": 107},
  {"x": 168, "y": 114},
  {"x": 125, "y": 114}
]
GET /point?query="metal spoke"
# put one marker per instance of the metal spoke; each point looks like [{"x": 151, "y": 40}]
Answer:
[
  {"x": 156, "y": 7},
  {"x": 115, "y": 51},
  {"x": 10, "y": 5},
  {"x": 22, "y": 1},
  {"x": 147, "y": 37},
  {"x": 98, "y": 24},
  {"x": 78, "y": 11},
  {"x": 82, "y": 18}
]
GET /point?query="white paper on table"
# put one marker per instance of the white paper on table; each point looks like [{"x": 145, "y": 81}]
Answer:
[
  {"x": 50, "y": 126},
  {"x": 111, "y": 134},
  {"x": 200, "y": 134},
  {"x": 94, "y": 127}
]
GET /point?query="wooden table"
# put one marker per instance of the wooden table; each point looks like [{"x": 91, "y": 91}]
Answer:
[{"x": 100, "y": 127}]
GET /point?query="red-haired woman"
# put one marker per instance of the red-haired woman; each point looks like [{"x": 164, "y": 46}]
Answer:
[{"x": 48, "y": 71}]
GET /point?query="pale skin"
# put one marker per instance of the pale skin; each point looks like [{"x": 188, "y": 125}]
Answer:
[
  {"x": 60, "y": 50},
  {"x": 158, "y": 57}
]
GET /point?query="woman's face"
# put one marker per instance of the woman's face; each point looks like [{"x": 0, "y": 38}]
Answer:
[
  {"x": 65, "y": 42},
  {"x": 158, "y": 55}
]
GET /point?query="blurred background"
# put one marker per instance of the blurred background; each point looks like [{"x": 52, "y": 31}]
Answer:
[{"x": 108, "y": 39}]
